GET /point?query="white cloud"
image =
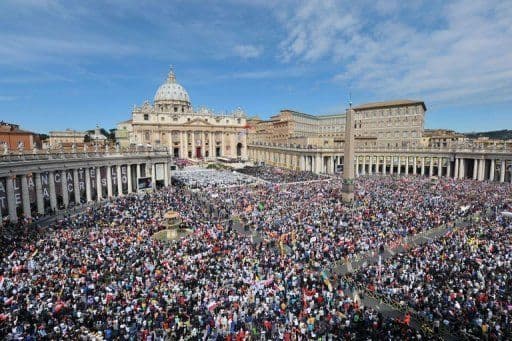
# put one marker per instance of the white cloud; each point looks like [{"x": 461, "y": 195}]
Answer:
[
  {"x": 465, "y": 55},
  {"x": 8, "y": 98},
  {"x": 248, "y": 51}
]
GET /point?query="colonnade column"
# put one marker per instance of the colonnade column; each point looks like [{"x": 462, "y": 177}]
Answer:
[
  {"x": 109, "y": 182},
  {"x": 129, "y": 175},
  {"x": 448, "y": 168},
  {"x": 439, "y": 166},
  {"x": 502, "y": 172},
  {"x": 11, "y": 200},
  {"x": 399, "y": 170},
  {"x": 370, "y": 166},
  {"x": 88, "y": 194},
  {"x": 407, "y": 165},
  {"x": 422, "y": 166},
  {"x": 357, "y": 165},
  {"x": 76, "y": 186},
  {"x": 53, "y": 194},
  {"x": 475, "y": 168},
  {"x": 392, "y": 165},
  {"x": 318, "y": 164},
  {"x": 153, "y": 176},
  {"x": 462, "y": 170},
  {"x": 24, "y": 196},
  {"x": 302, "y": 162},
  {"x": 493, "y": 167},
  {"x": 456, "y": 173},
  {"x": 39, "y": 193},
  {"x": 363, "y": 171},
  {"x": 64, "y": 188},
  {"x": 415, "y": 165},
  {"x": 431, "y": 167},
  {"x": 99, "y": 192},
  {"x": 384, "y": 165},
  {"x": 119, "y": 181},
  {"x": 166, "y": 174}
]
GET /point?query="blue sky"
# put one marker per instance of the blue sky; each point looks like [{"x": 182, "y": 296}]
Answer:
[{"x": 75, "y": 64}]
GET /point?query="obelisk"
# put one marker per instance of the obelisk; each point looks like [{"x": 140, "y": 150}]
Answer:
[{"x": 348, "y": 164}]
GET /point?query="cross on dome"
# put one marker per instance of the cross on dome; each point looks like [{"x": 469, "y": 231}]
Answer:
[{"x": 171, "y": 77}]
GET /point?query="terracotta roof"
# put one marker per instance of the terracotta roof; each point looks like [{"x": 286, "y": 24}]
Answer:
[{"x": 385, "y": 104}]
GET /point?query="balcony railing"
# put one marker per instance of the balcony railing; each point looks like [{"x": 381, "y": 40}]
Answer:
[{"x": 35, "y": 155}]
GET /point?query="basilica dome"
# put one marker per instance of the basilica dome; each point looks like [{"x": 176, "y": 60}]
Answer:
[{"x": 171, "y": 91}]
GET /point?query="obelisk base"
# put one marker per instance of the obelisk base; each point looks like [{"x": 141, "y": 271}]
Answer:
[{"x": 347, "y": 193}]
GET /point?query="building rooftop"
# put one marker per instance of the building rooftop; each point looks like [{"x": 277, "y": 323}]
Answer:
[{"x": 398, "y": 102}]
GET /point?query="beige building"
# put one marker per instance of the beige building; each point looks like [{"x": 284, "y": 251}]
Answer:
[
  {"x": 171, "y": 122},
  {"x": 65, "y": 137},
  {"x": 382, "y": 124}
]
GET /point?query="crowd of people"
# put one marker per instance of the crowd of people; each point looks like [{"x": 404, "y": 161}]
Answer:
[
  {"x": 198, "y": 177},
  {"x": 462, "y": 280},
  {"x": 279, "y": 175},
  {"x": 100, "y": 273}
]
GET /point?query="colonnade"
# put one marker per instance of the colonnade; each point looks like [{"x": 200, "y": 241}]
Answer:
[
  {"x": 483, "y": 167},
  {"x": 37, "y": 191}
]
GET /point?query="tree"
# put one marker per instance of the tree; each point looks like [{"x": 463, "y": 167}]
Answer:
[{"x": 43, "y": 137}]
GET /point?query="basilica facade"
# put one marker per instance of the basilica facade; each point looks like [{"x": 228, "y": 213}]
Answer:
[{"x": 172, "y": 122}]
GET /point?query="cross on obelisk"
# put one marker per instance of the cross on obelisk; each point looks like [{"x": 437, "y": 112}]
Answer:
[{"x": 348, "y": 164}]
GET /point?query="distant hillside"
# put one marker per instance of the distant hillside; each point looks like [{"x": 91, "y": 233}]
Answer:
[{"x": 497, "y": 134}]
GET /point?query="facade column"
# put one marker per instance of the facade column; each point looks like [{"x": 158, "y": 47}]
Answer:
[
  {"x": 222, "y": 144},
  {"x": 392, "y": 166},
  {"x": 109, "y": 182},
  {"x": 64, "y": 188},
  {"x": 119, "y": 181},
  {"x": 370, "y": 165},
  {"x": 88, "y": 194},
  {"x": 185, "y": 138},
  {"x": 211, "y": 143},
  {"x": 39, "y": 193},
  {"x": 363, "y": 171},
  {"x": 462, "y": 165},
  {"x": 203, "y": 144},
  {"x": 502, "y": 171},
  {"x": 422, "y": 166},
  {"x": 448, "y": 168},
  {"x": 53, "y": 193},
  {"x": 129, "y": 175},
  {"x": 76, "y": 187},
  {"x": 99, "y": 191},
  {"x": 302, "y": 160},
  {"x": 377, "y": 162},
  {"x": 25, "y": 196},
  {"x": 399, "y": 170},
  {"x": 357, "y": 165},
  {"x": 384, "y": 165},
  {"x": 456, "y": 173},
  {"x": 491, "y": 173},
  {"x": 415, "y": 165},
  {"x": 11, "y": 199},
  {"x": 407, "y": 165},
  {"x": 431, "y": 167},
  {"x": 439, "y": 167}
]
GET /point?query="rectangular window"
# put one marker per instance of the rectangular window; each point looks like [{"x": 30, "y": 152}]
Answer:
[{"x": 146, "y": 117}]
